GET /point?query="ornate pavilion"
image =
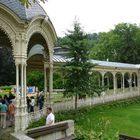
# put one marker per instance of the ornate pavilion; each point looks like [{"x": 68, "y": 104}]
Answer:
[
  {"x": 31, "y": 36},
  {"x": 22, "y": 29}
]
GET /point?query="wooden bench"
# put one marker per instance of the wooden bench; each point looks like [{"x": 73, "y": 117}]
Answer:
[
  {"x": 125, "y": 137},
  {"x": 41, "y": 131}
]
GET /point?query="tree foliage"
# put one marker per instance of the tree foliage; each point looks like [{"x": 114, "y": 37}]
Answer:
[
  {"x": 58, "y": 79},
  {"x": 120, "y": 44},
  {"x": 7, "y": 67},
  {"x": 78, "y": 68},
  {"x": 36, "y": 78}
]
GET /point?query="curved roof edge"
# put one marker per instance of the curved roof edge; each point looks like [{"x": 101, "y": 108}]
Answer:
[{"x": 60, "y": 59}]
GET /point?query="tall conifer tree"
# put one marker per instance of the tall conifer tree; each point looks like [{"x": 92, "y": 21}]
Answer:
[{"x": 78, "y": 66}]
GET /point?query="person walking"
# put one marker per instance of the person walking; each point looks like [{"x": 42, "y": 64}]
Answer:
[
  {"x": 28, "y": 104},
  {"x": 3, "y": 112},
  {"x": 50, "y": 117},
  {"x": 41, "y": 101},
  {"x": 11, "y": 112},
  {"x": 32, "y": 104}
]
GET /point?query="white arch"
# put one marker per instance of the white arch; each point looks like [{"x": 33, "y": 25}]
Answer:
[
  {"x": 8, "y": 30},
  {"x": 43, "y": 27}
]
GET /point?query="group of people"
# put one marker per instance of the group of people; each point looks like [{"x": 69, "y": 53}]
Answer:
[
  {"x": 39, "y": 101},
  {"x": 7, "y": 110},
  {"x": 32, "y": 101}
]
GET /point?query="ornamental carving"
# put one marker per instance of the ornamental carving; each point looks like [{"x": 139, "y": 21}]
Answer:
[
  {"x": 7, "y": 29},
  {"x": 37, "y": 29}
]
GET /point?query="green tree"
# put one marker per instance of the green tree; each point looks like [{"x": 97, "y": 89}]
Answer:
[
  {"x": 58, "y": 79},
  {"x": 120, "y": 44},
  {"x": 36, "y": 78},
  {"x": 78, "y": 67},
  {"x": 128, "y": 42},
  {"x": 7, "y": 67},
  {"x": 102, "y": 48}
]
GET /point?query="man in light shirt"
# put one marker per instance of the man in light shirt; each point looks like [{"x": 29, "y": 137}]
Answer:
[{"x": 50, "y": 117}]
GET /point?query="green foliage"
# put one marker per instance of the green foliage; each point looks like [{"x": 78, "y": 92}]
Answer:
[
  {"x": 7, "y": 67},
  {"x": 102, "y": 122},
  {"x": 58, "y": 79},
  {"x": 112, "y": 46},
  {"x": 41, "y": 122},
  {"x": 100, "y": 133},
  {"x": 36, "y": 78},
  {"x": 78, "y": 68},
  {"x": 6, "y": 87}
]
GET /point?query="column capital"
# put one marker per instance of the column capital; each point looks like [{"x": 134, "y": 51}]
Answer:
[
  {"x": 17, "y": 38},
  {"x": 51, "y": 65},
  {"x": 102, "y": 73},
  {"x": 114, "y": 73},
  {"x": 46, "y": 64},
  {"x": 20, "y": 60},
  {"x": 122, "y": 73}
]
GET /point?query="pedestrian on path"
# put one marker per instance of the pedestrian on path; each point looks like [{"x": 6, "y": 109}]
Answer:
[
  {"x": 32, "y": 104},
  {"x": 3, "y": 113},
  {"x": 11, "y": 112},
  {"x": 41, "y": 101},
  {"x": 50, "y": 117}
]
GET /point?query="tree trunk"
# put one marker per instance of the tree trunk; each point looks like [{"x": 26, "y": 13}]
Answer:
[{"x": 76, "y": 101}]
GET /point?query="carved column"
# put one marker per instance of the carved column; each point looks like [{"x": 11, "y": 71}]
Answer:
[
  {"x": 20, "y": 57},
  {"x": 103, "y": 73},
  {"x": 24, "y": 123},
  {"x": 45, "y": 77},
  {"x": 50, "y": 81},
  {"x": 114, "y": 82},
  {"x": 123, "y": 84},
  {"x": 99, "y": 81},
  {"x": 138, "y": 81},
  {"x": 134, "y": 82},
  {"x": 46, "y": 81},
  {"x": 17, "y": 115},
  {"x": 50, "y": 76},
  {"x": 130, "y": 82},
  {"x": 108, "y": 82}
]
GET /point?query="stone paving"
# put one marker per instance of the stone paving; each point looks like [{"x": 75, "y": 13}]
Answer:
[{"x": 5, "y": 133}]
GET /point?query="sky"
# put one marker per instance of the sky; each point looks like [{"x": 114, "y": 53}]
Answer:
[{"x": 93, "y": 15}]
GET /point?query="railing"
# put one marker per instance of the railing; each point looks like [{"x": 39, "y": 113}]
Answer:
[{"x": 68, "y": 105}]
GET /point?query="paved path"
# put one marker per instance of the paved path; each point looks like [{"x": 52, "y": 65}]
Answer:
[{"x": 5, "y": 133}]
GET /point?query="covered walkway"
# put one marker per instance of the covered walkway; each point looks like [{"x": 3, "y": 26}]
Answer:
[{"x": 116, "y": 77}]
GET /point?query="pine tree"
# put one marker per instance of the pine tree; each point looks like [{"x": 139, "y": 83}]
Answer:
[{"x": 78, "y": 65}]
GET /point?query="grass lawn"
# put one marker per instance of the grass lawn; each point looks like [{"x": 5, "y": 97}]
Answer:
[
  {"x": 124, "y": 120},
  {"x": 111, "y": 119},
  {"x": 108, "y": 119}
]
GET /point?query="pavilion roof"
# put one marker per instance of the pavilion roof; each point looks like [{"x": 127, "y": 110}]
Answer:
[
  {"x": 21, "y": 11},
  {"x": 60, "y": 59}
]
